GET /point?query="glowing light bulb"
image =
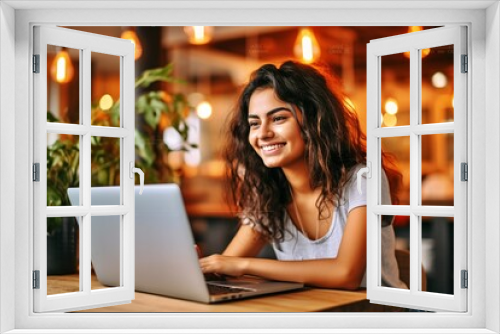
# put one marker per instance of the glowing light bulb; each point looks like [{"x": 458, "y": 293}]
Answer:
[
  {"x": 106, "y": 102},
  {"x": 132, "y": 36},
  {"x": 391, "y": 106},
  {"x": 204, "y": 110},
  {"x": 306, "y": 46},
  {"x": 62, "y": 70},
  {"x": 199, "y": 34},
  {"x": 439, "y": 80}
]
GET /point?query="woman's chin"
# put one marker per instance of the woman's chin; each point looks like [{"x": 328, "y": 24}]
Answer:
[{"x": 271, "y": 164}]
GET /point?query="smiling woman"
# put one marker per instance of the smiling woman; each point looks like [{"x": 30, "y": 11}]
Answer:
[{"x": 293, "y": 150}]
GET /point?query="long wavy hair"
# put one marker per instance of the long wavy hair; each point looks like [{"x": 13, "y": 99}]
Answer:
[{"x": 334, "y": 143}]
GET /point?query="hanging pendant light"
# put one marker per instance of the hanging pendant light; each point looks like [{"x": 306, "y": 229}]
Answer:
[
  {"x": 132, "y": 36},
  {"x": 199, "y": 34},
  {"x": 306, "y": 46},
  {"x": 62, "y": 70}
]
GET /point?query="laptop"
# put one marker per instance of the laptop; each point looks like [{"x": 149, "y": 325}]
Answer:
[{"x": 166, "y": 261}]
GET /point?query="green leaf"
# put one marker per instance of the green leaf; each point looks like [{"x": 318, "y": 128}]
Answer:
[
  {"x": 143, "y": 148},
  {"x": 51, "y": 117},
  {"x": 157, "y": 74}
]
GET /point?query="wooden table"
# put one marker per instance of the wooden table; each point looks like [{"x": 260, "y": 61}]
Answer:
[{"x": 306, "y": 300}]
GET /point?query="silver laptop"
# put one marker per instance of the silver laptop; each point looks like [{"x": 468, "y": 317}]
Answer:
[{"x": 166, "y": 262}]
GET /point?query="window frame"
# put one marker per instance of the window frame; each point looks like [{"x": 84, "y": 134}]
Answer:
[
  {"x": 483, "y": 49},
  {"x": 456, "y": 36}
]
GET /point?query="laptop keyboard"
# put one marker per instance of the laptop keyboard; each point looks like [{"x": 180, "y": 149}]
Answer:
[{"x": 215, "y": 290}]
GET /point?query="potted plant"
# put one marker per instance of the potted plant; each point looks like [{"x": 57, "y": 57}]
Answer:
[{"x": 155, "y": 110}]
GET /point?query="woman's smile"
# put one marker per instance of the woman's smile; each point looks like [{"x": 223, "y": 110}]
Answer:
[{"x": 271, "y": 149}]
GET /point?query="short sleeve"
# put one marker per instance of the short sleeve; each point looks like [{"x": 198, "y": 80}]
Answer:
[{"x": 354, "y": 198}]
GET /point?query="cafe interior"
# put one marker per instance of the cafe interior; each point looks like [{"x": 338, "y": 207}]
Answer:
[{"x": 187, "y": 82}]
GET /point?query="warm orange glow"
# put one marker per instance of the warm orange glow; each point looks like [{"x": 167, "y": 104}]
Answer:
[
  {"x": 424, "y": 52},
  {"x": 199, "y": 34},
  {"x": 62, "y": 70},
  {"x": 306, "y": 46},
  {"x": 390, "y": 120},
  {"x": 132, "y": 36}
]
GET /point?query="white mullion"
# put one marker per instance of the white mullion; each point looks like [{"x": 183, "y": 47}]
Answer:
[
  {"x": 419, "y": 129},
  {"x": 393, "y": 131},
  {"x": 127, "y": 155},
  {"x": 415, "y": 63},
  {"x": 81, "y": 230},
  {"x": 85, "y": 158},
  {"x": 123, "y": 167},
  {"x": 433, "y": 211},
  {"x": 434, "y": 129},
  {"x": 69, "y": 129},
  {"x": 377, "y": 171},
  {"x": 420, "y": 210},
  {"x": 66, "y": 211},
  {"x": 108, "y": 131},
  {"x": 109, "y": 210},
  {"x": 372, "y": 92},
  {"x": 397, "y": 210}
]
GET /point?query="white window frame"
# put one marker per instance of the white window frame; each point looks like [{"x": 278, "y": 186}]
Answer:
[
  {"x": 15, "y": 228},
  {"x": 454, "y": 36},
  {"x": 123, "y": 50}
]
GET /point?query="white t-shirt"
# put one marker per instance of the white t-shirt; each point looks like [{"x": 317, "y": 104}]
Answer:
[{"x": 296, "y": 246}]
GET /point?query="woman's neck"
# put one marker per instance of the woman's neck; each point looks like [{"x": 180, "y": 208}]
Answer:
[{"x": 298, "y": 179}]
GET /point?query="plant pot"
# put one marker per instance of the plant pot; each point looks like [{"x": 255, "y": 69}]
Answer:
[{"x": 62, "y": 248}]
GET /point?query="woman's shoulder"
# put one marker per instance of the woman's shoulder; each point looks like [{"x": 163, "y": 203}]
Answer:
[{"x": 353, "y": 171}]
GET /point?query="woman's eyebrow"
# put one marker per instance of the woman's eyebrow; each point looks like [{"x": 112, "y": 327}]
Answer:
[{"x": 270, "y": 112}]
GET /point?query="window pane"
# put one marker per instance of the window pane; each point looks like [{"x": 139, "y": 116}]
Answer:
[
  {"x": 437, "y": 85},
  {"x": 63, "y": 167},
  {"x": 395, "y": 90},
  {"x": 437, "y": 253},
  {"x": 105, "y": 251},
  {"x": 105, "y": 92},
  {"x": 397, "y": 159},
  {"x": 400, "y": 242},
  {"x": 63, "y": 94},
  {"x": 437, "y": 169},
  {"x": 105, "y": 159},
  {"x": 62, "y": 255}
]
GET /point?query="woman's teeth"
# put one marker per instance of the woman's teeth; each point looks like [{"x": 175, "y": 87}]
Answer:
[{"x": 272, "y": 147}]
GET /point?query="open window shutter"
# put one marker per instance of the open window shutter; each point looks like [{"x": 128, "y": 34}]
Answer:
[
  {"x": 80, "y": 133},
  {"x": 416, "y": 43}
]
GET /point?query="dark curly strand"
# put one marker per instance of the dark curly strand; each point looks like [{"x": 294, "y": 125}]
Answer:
[{"x": 333, "y": 139}]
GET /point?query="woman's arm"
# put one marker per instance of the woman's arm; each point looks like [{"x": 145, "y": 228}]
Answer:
[
  {"x": 246, "y": 243},
  {"x": 345, "y": 271}
]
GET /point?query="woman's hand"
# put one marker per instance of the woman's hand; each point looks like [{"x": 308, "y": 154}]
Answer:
[{"x": 224, "y": 265}]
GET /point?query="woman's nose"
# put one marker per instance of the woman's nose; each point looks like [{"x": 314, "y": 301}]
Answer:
[{"x": 265, "y": 132}]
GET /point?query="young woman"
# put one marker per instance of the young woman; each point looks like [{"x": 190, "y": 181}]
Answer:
[{"x": 293, "y": 153}]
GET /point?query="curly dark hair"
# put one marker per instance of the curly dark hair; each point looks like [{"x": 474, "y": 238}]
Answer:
[{"x": 332, "y": 135}]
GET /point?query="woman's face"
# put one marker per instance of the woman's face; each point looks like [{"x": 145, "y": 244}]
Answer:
[{"x": 274, "y": 131}]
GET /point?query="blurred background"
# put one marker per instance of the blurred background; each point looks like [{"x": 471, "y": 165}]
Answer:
[{"x": 188, "y": 80}]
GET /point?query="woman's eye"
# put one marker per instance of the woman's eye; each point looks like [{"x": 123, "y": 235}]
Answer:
[
  {"x": 253, "y": 124},
  {"x": 279, "y": 118}
]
